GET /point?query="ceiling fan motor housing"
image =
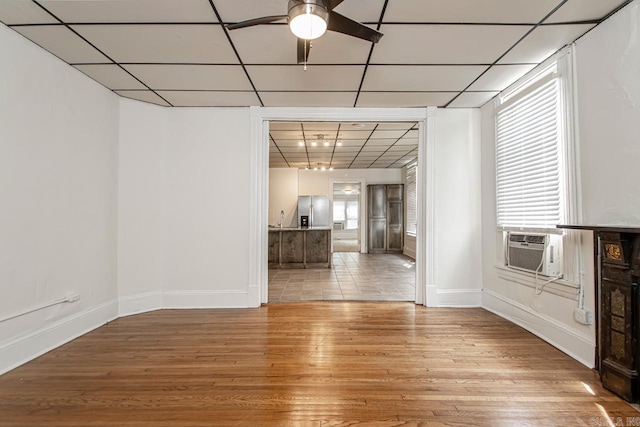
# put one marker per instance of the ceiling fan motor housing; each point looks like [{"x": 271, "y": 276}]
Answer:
[{"x": 313, "y": 7}]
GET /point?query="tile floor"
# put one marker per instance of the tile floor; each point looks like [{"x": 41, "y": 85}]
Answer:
[{"x": 354, "y": 276}]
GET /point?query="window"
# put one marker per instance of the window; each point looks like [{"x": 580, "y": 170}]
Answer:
[
  {"x": 529, "y": 147},
  {"x": 412, "y": 199},
  {"x": 536, "y": 167},
  {"x": 346, "y": 211},
  {"x": 339, "y": 211},
  {"x": 352, "y": 214}
]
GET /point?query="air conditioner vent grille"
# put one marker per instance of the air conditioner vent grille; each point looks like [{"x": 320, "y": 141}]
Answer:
[{"x": 528, "y": 259}]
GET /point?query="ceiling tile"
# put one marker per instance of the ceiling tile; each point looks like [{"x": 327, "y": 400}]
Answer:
[
  {"x": 488, "y": 11},
  {"x": 287, "y": 134},
  {"x": 295, "y": 78},
  {"x": 581, "y": 10},
  {"x": 446, "y": 44},
  {"x": 186, "y": 77},
  {"x": 63, "y": 43},
  {"x": 242, "y": 10},
  {"x": 274, "y": 44},
  {"x": 472, "y": 99},
  {"x": 161, "y": 43},
  {"x": 308, "y": 99},
  {"x": 283, "y": 126},
  {"x": 73, "y": 11},
  {"x": 210, "y": 98},
  {"x": 23, "y": 12},
  {"x": 420, "y": 77},
  {"x": 143, "y": 95},
  {"x": 321, "y": 126},
  {"x": 346, "y": 134},
  {"x": 395, "y": 134},
  {"x": 400, "y": 125},
  {"x": 499, "y": 77},
  {"x": 404, "y": 99},
  {"x": 361, "y": 10},
  {"x": 543, "y": 42},
  {"x": 111, "y": 76}
]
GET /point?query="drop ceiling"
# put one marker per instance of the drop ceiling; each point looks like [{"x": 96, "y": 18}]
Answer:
[
  {"x": 445, "y": 53},
  {"x": 321, "y": 146}
]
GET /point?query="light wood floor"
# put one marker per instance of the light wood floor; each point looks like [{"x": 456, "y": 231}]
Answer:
[{"x": 308, "y": 364}]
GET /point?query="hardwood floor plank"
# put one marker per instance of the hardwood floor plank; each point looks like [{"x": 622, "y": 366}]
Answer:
[{"x": 307, "y": 364}]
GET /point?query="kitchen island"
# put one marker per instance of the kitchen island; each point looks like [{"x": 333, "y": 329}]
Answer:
[{"x": 300, "y": 247}]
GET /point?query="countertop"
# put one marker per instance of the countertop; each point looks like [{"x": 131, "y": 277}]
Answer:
[{"x": 276, "y": 228}]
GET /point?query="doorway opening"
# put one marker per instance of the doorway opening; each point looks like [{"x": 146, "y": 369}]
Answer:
[
  {"x": 261, "y": 117},
  {"x": 348, "y": 210}
]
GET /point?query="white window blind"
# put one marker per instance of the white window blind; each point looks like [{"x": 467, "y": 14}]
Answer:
[
  {"x": 528, "y": 159},
  {"x": 412, "y": 200}
]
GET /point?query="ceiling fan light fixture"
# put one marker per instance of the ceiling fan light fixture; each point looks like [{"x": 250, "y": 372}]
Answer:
[{"x": 308, "y": 20}]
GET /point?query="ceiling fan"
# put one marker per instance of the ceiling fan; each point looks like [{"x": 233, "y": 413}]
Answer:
[{"x": 309, "y": 19}]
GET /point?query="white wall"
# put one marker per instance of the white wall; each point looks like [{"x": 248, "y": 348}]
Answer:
[
  {"x": 608, "y": 101},
  {"x": 457, "y": 258},
  {"x": 58, "y": 200},
  {"x": 283, "y": 196},
  {"x": 608, "y": 62},
  {"x": 319, "y": 182},
  {"x": 183, "y": 207},
  {"x": 142, "y": 205}
]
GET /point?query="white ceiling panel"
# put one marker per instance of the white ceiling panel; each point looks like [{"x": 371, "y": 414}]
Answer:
[
  {"x": 321, "y": 126},
  {"x": 379, "y": 133},
  {"x": 420, "y": 77},
  {"x": 408, "y": 141},
  {"x": 284, "y": 126},
  {"x": 23, "y": 12},
  {"x": 308, "y": 99},
  {"x": 445, "y": 44},
  {"x": 63, "y": 43},
  {"x": 191, "y": 77},
  {"x": 490, "y": 11},
  {"x": 131, "y": 10},
  {"x": 295, "y": 78},
  {"x": 161, "y": 43},
  {"x": 404, "y": 99},
  {"x": 111, "y": 76},
  {"x": 543, "y": 42},
  {"x": 472, "y": 99},
  {"x": 274, "y": 44},
  {"x": 581, "y": 10},
  {"x": 390, "y": 126},
  {"x": 361, "y": 10},
  {"x": 355, "y": 134},
  {"x": 242, "y": 10},
  {"x": 499, "y": 77},
  {"x": 143, "y": 95},
  {"x": 210, "y": 98},
  {"x": 287, "y": 134}
]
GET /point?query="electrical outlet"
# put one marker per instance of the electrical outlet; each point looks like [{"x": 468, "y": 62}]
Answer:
[
  {"x": 72, "y": 298},
  {"x": 583, "y": 316}
]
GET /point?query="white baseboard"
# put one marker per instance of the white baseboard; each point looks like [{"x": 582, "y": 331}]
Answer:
[
  {"x": 140, "y": 303},
  {"x": 555, "y": 333},
  {"x": 25, "y": 348},
  {"x": 462, "y": 298},
  {"x": 205, "y": 299}
]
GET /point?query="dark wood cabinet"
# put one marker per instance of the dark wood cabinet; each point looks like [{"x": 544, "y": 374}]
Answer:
[{"x": 617, "y": 263}]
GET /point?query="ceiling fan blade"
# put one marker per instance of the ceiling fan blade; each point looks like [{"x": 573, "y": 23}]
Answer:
[
  {"x": 256, "y": 21},
  {"x": 344, "y": 25},
  {"x": 304, "y": 46},
  {"x": 332, "y": 4}
]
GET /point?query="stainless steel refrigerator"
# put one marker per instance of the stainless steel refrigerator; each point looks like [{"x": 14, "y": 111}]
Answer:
[{"x": 315, "y": 209}]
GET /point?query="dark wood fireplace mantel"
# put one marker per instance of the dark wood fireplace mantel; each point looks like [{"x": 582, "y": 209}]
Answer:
[{"x": 617, "y": 267}]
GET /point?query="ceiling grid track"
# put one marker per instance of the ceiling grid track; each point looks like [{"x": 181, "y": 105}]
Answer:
[
  {"x": 101, "y": 52},
  {"x": 244, "y": 68}
]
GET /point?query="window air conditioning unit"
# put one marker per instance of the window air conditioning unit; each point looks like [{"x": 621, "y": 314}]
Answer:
[
  {"x": 540, "y": 253},
  {"x": 338, "y": 225}
]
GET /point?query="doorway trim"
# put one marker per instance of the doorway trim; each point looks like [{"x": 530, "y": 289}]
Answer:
[{"x": 259, "y": 186}]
